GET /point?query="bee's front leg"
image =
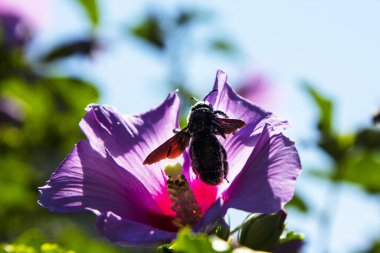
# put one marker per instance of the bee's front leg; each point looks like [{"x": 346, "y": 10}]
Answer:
[
  {"x": 176, "y": 130},
  {"x": 221, "y": 113}
]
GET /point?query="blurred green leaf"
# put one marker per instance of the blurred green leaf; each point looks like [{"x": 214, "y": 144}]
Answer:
[
  {"x": 92, "y": 10},
  {"x": 328, "y": 175},
  {"x": 83, "y": 47},
  {"x": 325, "y": 107},
  {"x": 374, "y": 248},
  {"x": 22, "y": 248},
  {"x": 187, "y": 17},
  {"x": 290, "y": 235},
  {"x": 368, "y": 138},
  {"x": 362, "y": 167},
  {"x": 223, "y": 46},
  {"x": 298, "y": 203},
  {"x": 187, "y": 242},
  {"x": 151, "y": 31}
]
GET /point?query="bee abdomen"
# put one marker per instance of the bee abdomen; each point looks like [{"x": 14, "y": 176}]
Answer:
[{"x": 209, "y": 159}]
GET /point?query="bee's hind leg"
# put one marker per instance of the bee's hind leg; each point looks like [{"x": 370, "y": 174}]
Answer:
[{"x": 225, "y": 165}]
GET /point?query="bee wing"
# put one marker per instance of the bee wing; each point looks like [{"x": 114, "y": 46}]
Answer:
[
  {"x": 172, "y": 148},
  {"x": 228, "y": 126}
]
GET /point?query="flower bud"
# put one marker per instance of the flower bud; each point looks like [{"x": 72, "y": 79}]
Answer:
[{"x": 262, "y": 231}]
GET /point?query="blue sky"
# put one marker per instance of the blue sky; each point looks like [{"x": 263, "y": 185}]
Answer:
[{"x": 333, "y": 44}]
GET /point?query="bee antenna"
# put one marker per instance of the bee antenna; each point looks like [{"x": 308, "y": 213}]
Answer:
[
  {"x": 194, "y": 99},
  {"x": 209, "y": 94}
]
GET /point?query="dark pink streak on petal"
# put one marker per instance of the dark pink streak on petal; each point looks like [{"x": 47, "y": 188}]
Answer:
[
  {"x": 88, "y": 180},
  {"x": 267, "y": 180},
  {"x": 130, "y": 233}
]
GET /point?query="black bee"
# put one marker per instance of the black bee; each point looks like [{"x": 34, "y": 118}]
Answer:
[{"x": 208, "y": 157}]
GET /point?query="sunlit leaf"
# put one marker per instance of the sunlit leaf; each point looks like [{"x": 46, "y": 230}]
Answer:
[
  {"x": 298, "y": 203},
  {"x": 92, "y": 10},
  {"x": 325, "y": 106},
  {"x": 187, "y": 242},
  {"x": 150, "y": 30}
]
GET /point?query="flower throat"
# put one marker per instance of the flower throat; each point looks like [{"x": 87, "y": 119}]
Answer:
[{"x": 186, "y": 208}]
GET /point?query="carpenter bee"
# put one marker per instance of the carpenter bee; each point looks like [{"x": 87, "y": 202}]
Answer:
[{"x": 208, "y": 157}]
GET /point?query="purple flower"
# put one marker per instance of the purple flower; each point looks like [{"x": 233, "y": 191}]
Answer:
[
  {"x": 13, "y": 31},
  {"x": 105, "y": 174}
]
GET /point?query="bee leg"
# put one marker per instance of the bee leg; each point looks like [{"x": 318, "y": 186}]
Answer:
[
  {"x": 225, "y": 165},
  {"x": 221, "y": 113},
  {"x": 176, "y": 130},
  {"x": 226, "y": 171}
]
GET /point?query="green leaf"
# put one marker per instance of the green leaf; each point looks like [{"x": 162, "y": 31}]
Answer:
[
  {"x": 298, "y": 203},
  {"x": 290, "y": 235},
  {"x": 262, "y": 231},
  {"x": 362, "y": 167},
  {"x": 368, "y": 138},
  {"x": 223, "y": 46},
  {"x": 150, "y": 30},
  {"x": 83, "y": 47},
  {"x": 92, "y": 10},
  {"x": 325, "y": 107},
  {"x": 374, "y": 248},
  {"x": 187, "y": 242}
]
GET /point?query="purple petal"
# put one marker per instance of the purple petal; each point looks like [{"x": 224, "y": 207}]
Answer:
[
  {"x": 240, "y": 146},
  {"x": 133, "y": 234},
  {"x": 293, "y": 246},
  {"x": 267, "y": 180},
  {"x": 129, "y": 139},
  {"x": 87, "y": 180},
  {"x": 212, "y": 215}
]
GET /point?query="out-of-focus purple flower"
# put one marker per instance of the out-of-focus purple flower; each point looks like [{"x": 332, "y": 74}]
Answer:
[
  {"x": 13, "y": 31},
  {"x": 10, "y": 112},
  {"x": 105, "y": 173},
  {"x": 36, "y": 13},
  {"x": 257, "y": 88}
]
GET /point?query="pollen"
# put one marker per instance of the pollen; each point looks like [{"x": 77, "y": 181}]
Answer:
[{"x": 188, "y": 211}]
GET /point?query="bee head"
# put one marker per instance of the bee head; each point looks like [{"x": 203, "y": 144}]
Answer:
[{"x": 199, "y": 116}]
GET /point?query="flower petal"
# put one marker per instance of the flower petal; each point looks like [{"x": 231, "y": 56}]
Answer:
[
  {"x": 86, "y": 180},
  {"x": 215, "y": 213},
  {"x": 267, "y": 180},
  {"x": 240, "y": 145},
  {"x": 129, "y": 139},
  {"x": 133, "y": 234}
]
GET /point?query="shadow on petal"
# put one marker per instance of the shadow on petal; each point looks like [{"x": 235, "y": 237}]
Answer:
[
  {"x": 267, "y": 180},
  {"x": 130, "y": 233}
]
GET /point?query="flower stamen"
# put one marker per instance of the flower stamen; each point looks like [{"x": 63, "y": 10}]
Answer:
[{"x": 188, "y": 211}]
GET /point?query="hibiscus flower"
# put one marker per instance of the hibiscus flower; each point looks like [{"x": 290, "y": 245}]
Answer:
[{"x": 134, "y": 207}]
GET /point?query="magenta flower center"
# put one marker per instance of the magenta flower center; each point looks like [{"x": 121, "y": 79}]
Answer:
[{"x": 184, "y": 205}]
